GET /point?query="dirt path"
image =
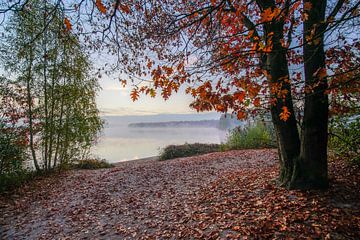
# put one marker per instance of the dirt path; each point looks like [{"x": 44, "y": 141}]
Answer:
[{"x": 217, "y": 195}]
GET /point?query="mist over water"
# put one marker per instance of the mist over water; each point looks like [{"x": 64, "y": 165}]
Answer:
[{"x": 122, "y": 143}]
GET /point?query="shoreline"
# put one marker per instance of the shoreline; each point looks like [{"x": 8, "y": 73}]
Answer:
[{"x": 146, "y": 159}]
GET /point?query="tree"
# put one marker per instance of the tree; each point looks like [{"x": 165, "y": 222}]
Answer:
[
  {"x": 240, "y": 56},
  {"x": 48, "y": 61},
  {"x": 243, "y": 56}
]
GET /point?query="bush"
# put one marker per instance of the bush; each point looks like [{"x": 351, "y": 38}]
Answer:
[
  {"x": 256, "y": 136},
  {"x": 187, "y": 150},
  {"x": 92, "y": 164},
  {"x": 344, "y": 138},
  {"x": 12, "y": 157},
  {"x": 12, "y": 180},
  {"x": 12, "y": 152}
]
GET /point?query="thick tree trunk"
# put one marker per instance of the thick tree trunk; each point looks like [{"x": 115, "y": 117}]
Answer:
[
  {"x": 310, "y": 170},
  {"x": 286, "y": 131}
]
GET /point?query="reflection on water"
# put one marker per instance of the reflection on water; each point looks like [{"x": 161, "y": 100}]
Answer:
[{"x": 121, "y": 143}]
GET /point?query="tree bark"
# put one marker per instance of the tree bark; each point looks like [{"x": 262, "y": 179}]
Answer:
[
  {"x": 30, "y": 112},
  {"x": 286, "y": 131},
  {"x": 310, "y": 171}
]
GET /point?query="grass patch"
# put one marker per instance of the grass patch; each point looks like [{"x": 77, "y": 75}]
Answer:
[
  {"x": 92, "y": 164},
  {"x": 187, "y": 150},
  {"x": 252, "y": 137}
]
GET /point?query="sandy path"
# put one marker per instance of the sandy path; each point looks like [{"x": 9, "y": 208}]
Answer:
[
  {"x": 130, "y": 199},
  {"x": 213, "y": 196}
]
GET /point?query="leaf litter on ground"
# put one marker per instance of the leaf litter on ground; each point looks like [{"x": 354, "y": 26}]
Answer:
[{"x": 225, "y": 195}]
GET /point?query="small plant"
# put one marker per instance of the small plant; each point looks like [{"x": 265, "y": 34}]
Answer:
[
  {"x": 187, "y": 150},
  {"x": 92, "y": 164},
  {"x": 12, "y": 157},
  {"x": 344, "y": 138},
  {"x": 256, "y": 136},
  {"x": 13, "y": 180}
]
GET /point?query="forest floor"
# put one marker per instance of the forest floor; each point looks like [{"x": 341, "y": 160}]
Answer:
[{"x": 227, "y": 195}]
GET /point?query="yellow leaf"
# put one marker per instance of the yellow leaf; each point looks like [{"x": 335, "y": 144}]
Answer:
[{"x": 152, "y": 92}]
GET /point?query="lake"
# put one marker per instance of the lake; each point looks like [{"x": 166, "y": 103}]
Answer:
[{"x": 122, "y": 143}]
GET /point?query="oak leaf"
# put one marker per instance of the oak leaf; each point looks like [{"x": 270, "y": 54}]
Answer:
[
  {"x": 100, "y": 6},
  {"x": 68, "y": 25},
  {"x": 285, "y": 114},
  {"x": 134, "y": 95}
]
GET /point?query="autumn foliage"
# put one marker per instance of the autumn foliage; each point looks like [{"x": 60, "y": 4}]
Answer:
[
  {"x": 294, "y": 59},
  {"x": 298, "y": 60}
]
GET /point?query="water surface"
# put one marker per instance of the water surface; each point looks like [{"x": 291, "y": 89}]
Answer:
[{"x": 121, "y": 143}]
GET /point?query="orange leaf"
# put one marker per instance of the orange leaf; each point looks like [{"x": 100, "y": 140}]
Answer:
[
  {"x": 240, "y": 96},
  {"x": 149, "y": 64},
  {"x": 256, "y": 102},
  {"x": 124, "y": 8},
  {"x": 100, "y": 6},
  {"x": 241, "y": 115},
  {"x": 220, "y": 108},
  {"x": 269, "y": 14},
  {"x": 123, "y": 83},
  {"x": 68, "y": 25},
  {"x": 236, "y": 228},
  {"x": 320, "y": 73},
  {"x": 285, "y": 114},
  {"x": 253, "y": 90},
  {"x": 134, "y": 95}
]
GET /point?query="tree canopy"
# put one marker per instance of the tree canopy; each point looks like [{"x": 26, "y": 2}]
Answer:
[{"x": 295, "y": 59}]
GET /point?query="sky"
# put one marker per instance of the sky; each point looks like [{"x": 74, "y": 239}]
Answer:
[{"x": 114, "y": 100}]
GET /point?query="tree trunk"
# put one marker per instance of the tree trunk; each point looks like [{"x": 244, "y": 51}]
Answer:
[
  {"x": 310, "y": 170},
  {"x": 30, "y": 112},
  {"x": 286, "y": 131},
  {"x": 46, "y": 105}
]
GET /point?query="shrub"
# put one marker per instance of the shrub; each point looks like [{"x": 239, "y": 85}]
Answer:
[
  {"x": 255, "y": 136},
  {"x": 92, "y": 164},
  {"x": 15, "y": 179},
  {"x": 186, "y": 150},
  {"x": 12, "y": 157},
  {"x": 12, "y": 152},
  {"x": 344, "y": 138}
]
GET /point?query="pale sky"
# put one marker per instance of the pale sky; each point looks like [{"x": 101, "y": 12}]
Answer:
[{"x": 113, "y": 99}]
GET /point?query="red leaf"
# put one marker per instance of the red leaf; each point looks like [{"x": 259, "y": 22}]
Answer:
[{"x": 68, "y": 25}]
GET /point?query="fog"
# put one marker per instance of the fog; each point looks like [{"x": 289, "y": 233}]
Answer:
[{"x": 119, "y": 142}]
